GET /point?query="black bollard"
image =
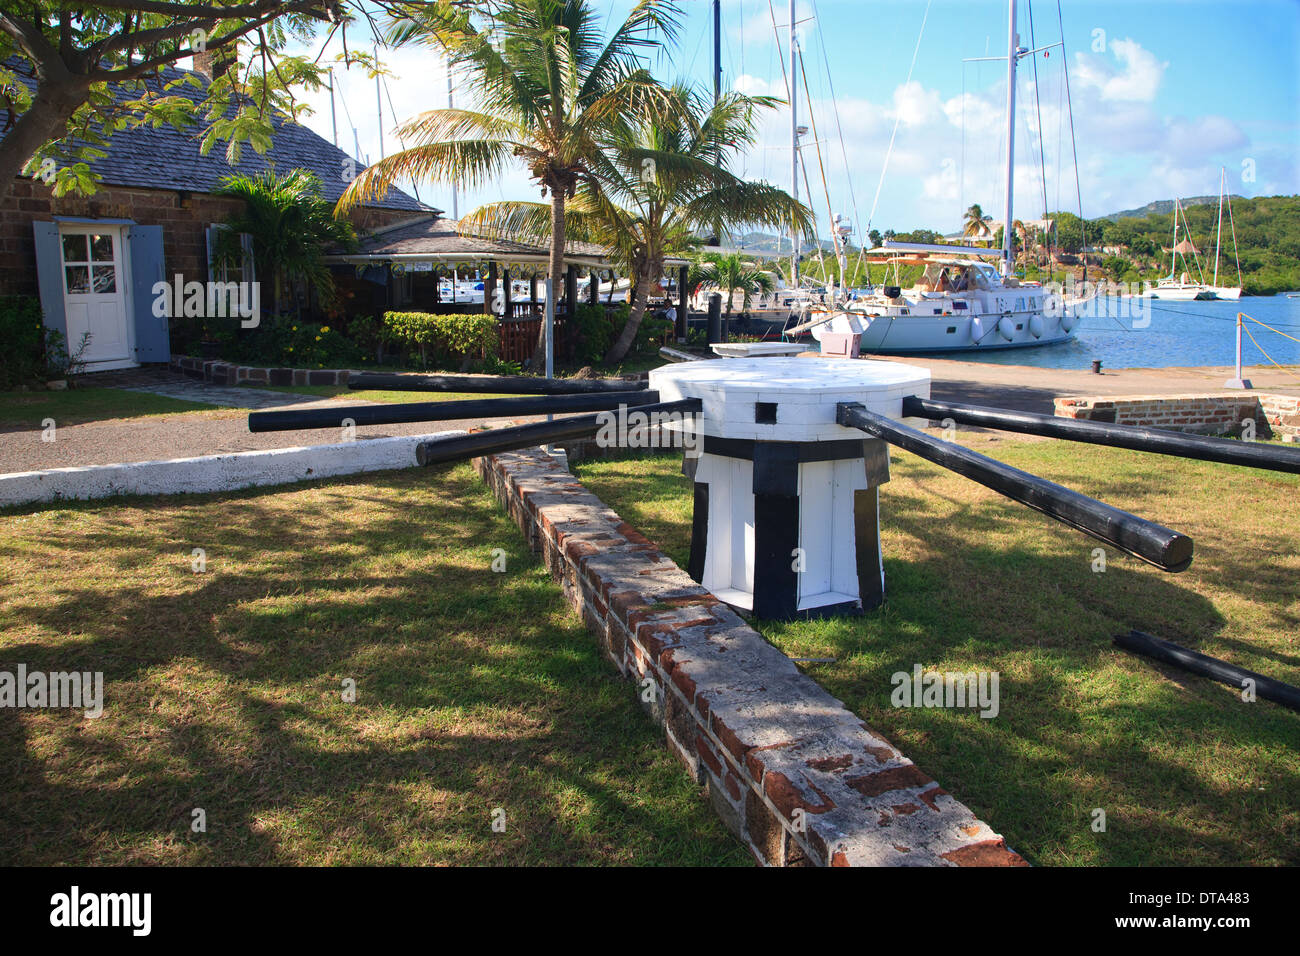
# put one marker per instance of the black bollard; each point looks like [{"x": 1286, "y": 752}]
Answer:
[
  {"x": 1153, "y": 543},
  {"x": 293, "y": 419},
  {"x": 715, "y": 319}
]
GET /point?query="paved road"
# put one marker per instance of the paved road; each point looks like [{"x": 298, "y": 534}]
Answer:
[
  {"x": 185, "y": 435},
  {"x": 214, "y": 432},
  {"x": 1033, "y": 389}
]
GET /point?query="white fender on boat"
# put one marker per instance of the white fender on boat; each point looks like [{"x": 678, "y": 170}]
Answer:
[
  {"x": 976, "y": 329},
  {"x": 1006, "y": 328},
  {"x": 1068, "y": 321},
  {"x": 1036, "y": 326}
]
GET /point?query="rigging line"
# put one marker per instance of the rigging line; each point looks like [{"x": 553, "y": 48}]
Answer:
[
  {"x": 401, "y": 141},
  {"x": 830, "y": 213},
  {"x": 1038, "y": 109},
  {"x": 1235, "y": 255},
  {"x": 830, "y": 83},
  {"x": 1216, "y": 318},
  {"x": 890, "y": 151},
  {"x": 961, "y": 176},
  {"x": 1074, "y": 145}
]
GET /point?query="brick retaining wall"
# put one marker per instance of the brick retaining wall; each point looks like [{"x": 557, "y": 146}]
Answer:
[
  {"x": 793, "y": 773},
  {"x": 227, "y": 373},
  {"x": 1207, "y": 414}
]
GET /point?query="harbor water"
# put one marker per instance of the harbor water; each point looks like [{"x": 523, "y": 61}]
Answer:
[{"x": 1156, "y": 333}]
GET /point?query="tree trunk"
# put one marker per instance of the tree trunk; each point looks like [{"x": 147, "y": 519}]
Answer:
[
  {"x": 640, "y": 298},
  {"x": 53, "y": 104},
  {"x": 557, "y": 273}
]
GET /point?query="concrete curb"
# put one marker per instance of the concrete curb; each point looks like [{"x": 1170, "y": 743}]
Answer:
[{"x": 208, "y": 473}]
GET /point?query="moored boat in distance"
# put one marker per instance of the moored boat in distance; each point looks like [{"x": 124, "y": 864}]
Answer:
[{"x": 959, "y": 303}]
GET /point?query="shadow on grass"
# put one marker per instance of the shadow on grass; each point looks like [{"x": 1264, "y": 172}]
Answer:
[
  {"x": 1186, "y": 773},
  {"x": 223, "y": 690}
]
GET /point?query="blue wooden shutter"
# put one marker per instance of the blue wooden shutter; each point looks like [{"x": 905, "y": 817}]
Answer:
[
  {"x": 151, "y": 331},
  {"x": 49, "y": 275}
]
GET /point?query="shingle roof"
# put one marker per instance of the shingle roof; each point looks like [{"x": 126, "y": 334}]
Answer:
[
  {"x": 438, "y": 236},
  {"x": 168, "y": 158}
]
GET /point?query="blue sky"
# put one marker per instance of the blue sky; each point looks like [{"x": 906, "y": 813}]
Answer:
[{"x": 1163, "y": 93}]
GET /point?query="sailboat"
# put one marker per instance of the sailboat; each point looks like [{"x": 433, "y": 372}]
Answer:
[
  {"x": 963, "y": 301},
  {"x": 1219, "y": 291},
  {"x": 1178, "y": 286}
]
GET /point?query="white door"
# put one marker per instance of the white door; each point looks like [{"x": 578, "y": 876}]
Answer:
[{"x": 94, "y": 293}]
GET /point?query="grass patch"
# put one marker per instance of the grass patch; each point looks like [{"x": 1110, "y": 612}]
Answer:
[
  {"x": 79, "y": 405},
  {"x": 1186, "y": 773},
  {"x": 345, "y": 394},
  {"x": 475, "y": 690}
]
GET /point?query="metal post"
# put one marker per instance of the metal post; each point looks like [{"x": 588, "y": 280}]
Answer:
[
  {"x": 1238, "y": 382},
  {"x": 548, "y": 290},
  {"x": 682, "y": 305}
]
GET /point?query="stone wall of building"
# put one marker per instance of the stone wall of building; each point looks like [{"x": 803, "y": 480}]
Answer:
[
  {"x": 183, "y": 216},
  {"x": 791, "y": 771}
]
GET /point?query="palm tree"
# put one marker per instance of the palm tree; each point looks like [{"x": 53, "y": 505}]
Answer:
[
  {"x": 731, "y": 274},
  {"x": 290, "y": 225},
  {"x": 975, "y": 222},
  {"x": 548, "y": 88},
  {"x": 658, "y": 182},
  {"x": 1019, "y": 237}
]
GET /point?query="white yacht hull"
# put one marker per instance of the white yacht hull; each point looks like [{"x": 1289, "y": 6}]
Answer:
[
  {"x": 1186, "y": 294},
  {"x": 911, "y": 334},
  {"x": 1221, "y": 292}
]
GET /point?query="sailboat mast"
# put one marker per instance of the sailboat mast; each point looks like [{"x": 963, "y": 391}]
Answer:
[
  {"x": 1011, "y": 135},
  {"x": 717, "y": 51},
  {"x": 794, "y": 151},
  {"x": 1218, "y": 230},
  {"x": 1174, "y": 251},
  {"x": 451, "y": 105},
  {"x": 334, "y": 120}
]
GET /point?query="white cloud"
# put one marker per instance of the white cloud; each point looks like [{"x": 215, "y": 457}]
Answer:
[{"x": 1136, "y": 78}]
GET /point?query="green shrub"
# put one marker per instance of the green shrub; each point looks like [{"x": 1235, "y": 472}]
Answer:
[
  {"x": 453, "y": 336},
  {"x": 593, "y": 333},
  {"x": 654, "y": 326},
  {"x": 22, "y": 359},
  {"x": 286, "y": 341}
]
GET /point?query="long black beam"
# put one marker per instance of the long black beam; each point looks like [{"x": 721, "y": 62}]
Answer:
[
  {"x": 1137, "y": 642},
  {"x": 1135, "y": 437},
  {"x": 501, "y": 384},
  {"x": 292, "y": 419},
  {"x": 1156, "y": 544},
  {"x": 538, "y": 433}
]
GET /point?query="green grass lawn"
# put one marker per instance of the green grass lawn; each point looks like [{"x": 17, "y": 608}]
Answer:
[
  {"x": 28, "y": 409},
  {"x": 223, "y": 690},
  {"x": 1186, "y": 773},
  {"x": 345, "y": 394}
]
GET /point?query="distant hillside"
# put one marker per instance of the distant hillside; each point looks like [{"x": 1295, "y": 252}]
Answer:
[
  {"x": 1267, "y": 231},
  {"x": 1163, "y": 207},
  {"x": 765, "y": 245}
]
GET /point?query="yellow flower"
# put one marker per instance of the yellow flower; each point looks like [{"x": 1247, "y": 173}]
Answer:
[
  {"x": 318, "y": 338},
  {"x": 324, "y": 328}
]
